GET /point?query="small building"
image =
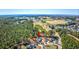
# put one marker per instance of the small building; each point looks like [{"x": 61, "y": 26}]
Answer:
[{"x": 77, "y": 18}]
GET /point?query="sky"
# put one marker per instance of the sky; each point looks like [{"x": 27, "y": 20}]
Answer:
[{"x": 39, "y": 11}]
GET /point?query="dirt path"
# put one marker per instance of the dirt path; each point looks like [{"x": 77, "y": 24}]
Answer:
[{"x": 74, "y": 37}]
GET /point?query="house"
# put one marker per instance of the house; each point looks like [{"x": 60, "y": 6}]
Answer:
[
  {"x": 40, "y": 46},
  {"x": 77, "y": 18}
]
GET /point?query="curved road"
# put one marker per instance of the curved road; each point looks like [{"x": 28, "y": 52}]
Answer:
[{"x": 59, "y": 41}]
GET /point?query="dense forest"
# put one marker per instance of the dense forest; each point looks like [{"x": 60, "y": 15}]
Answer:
[
  {"x": 11, "y": 32},
  {"x": 69, "y": 42}
]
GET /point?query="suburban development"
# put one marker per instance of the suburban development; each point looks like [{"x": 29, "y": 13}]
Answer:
[
  {"x": 39, "y": 28},
  {"x": 39, "y": 32}
]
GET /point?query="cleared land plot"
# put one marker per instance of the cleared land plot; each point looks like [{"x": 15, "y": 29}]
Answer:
[{"x": 56, "y": 22}]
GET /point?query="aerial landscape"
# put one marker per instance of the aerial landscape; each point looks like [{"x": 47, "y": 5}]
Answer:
[{"x": 39, "y": 29}]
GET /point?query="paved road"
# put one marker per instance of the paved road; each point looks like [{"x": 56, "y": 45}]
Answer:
[{"x": 59, "y": 41}]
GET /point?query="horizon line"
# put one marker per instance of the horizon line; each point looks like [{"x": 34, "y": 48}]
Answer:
[{"x": 40, "y": 14}]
